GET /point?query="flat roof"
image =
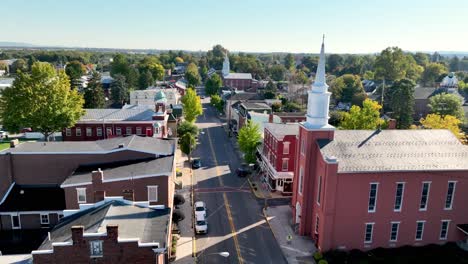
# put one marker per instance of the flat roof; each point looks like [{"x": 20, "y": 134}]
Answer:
[{"x": 281, "y": 130}]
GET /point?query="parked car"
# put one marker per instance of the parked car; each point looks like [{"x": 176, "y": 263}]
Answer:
[
  {"x": 3, "y": 134},
  {"x": 196, "y": 164},
  {"x": 243, "y": 171},
  {"x": 26, "y": 129},
  {"x": 200, "y": 209},
  {"x": 201, "y": 225}
]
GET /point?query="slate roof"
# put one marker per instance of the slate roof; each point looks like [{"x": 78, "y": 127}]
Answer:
[
  {"x": 125, "y": 114},
  {"x": 119, "y": 170},
  {"x": 34, "y": 198},
  {"x": 244, "y": 96},
  {"x": 134, "y": 142},
  {"x": 423, "y": 92},
  {"x": 396, "y": 150},
  {"x": 254, "y": 105},
  {"x": 244, "y": 76},
  {"x": 287, "y": 114},
  {"x": 149, "y": 225},
  {"x": 281, "y": 130}
]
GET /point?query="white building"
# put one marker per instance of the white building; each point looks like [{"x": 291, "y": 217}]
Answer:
[{"x": 147, "y": 97}]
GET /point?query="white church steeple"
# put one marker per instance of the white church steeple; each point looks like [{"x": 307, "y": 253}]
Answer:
[
  {"x": 319, "y": 97},
  {"x": 226, "y": 67}
]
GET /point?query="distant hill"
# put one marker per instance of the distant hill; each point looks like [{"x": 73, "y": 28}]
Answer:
[{"x": 15, "y": 44}]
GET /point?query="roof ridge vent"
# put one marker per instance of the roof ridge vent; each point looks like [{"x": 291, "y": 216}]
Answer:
[{"x": 121, "y": 145}]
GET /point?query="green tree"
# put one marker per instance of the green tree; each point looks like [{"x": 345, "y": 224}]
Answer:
[
  {"x": 187, "y": 127},
  {"x": 432, "y": 73},
  {"x": 217, "y": 102},
  {"x": 447, "y": 104},
  {"x": 402, "y": 102},
  {"x": 187, "y": 144},
  {"x": 192, "y": 105},
  {"x": 178, "y": 60},
  {"x": 213, "y": 84},
  {"x": 392, "y": 65},
  {"x": 421, "y": 59},
  {"x": 249, "y": 138},
  {"x": 93, "y": 93},
  {"x": 289, "y": 62},
  {"x": 455, "y": 64},
  {"x": 120, "y": 65},
  {"x": 369, "y": 75},
  {"x": 192, "y": 75},
  {"x": 435, "y": 121},
  {"x": 348, "y": 89},
  {"x": 367, "y": 117},
  {"x": 145, "y": 80},
  {"x": 300, "y": 77},
  {"x": 19, "y": 65},
  {"x": 215, "y": 56},
  {"x": 277, "y": 72},
  {"x": 75, "y": 70},
  {"x": 119, "y": 89},
  {"x": 335, "y": 63},
  {"x": 153, "y": 66},
  {"x": 41, "y": 100}
]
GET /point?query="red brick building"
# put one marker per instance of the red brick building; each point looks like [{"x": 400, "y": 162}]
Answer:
[
  {"x": 363, "y": 189},
  {"x": 99, "y": 124},
  {"x": 278, "y": 156},
  {"x": 238, "y": 81},
  {"x": 113, "y": 231}
]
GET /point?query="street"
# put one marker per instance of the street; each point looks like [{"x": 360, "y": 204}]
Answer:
[{"x": 235, "y": 220}]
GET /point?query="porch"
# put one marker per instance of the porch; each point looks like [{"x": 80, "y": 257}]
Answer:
[{"x": 274, "y": 180}]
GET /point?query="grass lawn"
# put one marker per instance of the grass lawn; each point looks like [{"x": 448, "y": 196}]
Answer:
[
  {"x": 448, "y": 253},
  {"x": 4, "y": 145}
]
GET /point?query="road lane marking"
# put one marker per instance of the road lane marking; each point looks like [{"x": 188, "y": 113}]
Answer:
[{"x": 226, "y": 203}]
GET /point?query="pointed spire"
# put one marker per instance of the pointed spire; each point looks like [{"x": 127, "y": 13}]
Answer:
[
  {"x": 320, "y": 79},
  {"x": 226, "y": 67}
]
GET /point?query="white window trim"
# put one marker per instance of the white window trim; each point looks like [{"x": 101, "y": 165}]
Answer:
[
  {"x": 422, "y": 230},
  {"x": 48, "y": 220},
  {"x": 68, "y": 132},
  {"x": 288, "y": 144},
  {"x": 447, "y": 231},
  {"x": 319, "y": 190},
  {"x": 91, "y": 248},
  {"x": 118, "y": 131},
  {"x": 19, "y": 221},
  {"x": 78, "y": 195},
  {"x": 90, "y": 130},
  {"x": 402, "y": 196},
  {"x": 453, "y": 195},
  {"x": 301, "y": 180},
  {"x": 371, "y": 235},
  {"x": 157, "y": 193},
  {"x": 78, "y": 129},
  {"x": 287, "y": 164},
  {"x": 108, "y": 131},
  {"x": 99, "y": 131},
  {"x": 127, "y": 129},
  {"x": 398, "y": 229},
  {"x": 376, "y": 195},
  {"x": 138, "y": 131},
  {"x": 427, "y": 198}
]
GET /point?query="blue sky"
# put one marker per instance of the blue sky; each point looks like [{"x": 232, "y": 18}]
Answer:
[{"x": 243, "y": 25}]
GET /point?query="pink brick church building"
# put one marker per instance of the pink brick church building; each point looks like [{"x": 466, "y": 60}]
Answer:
[{"x": 363, "y": 189}]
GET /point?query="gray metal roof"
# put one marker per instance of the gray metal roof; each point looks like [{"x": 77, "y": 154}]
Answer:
[
  {"x": 396, "y": 150},
  {"x": 134, "y": 142},
  {"x": 245, "y": 76},
  {"x": 157, "y": 166},
  {"x": 125, "y": 114},
  {"x": 252, "y": 106},
  {"x": 149, "y": 225},
  {"x": 281, "y": 130},
  {"x": 423, "y": 92}
]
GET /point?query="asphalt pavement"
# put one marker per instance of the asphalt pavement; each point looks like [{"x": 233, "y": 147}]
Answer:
[{"x": 236, "y": 223}]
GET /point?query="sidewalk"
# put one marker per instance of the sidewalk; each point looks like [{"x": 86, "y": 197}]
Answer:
[
  {"x": 185, "y": 243},
  {"x": 260, "y": 188},
  {"x": 299, "y": 249}
]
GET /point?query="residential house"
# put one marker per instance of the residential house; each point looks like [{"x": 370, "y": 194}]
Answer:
[
  {"x": 365, "y": 189},
  {"x": 111, "y": 231},
  {"x": 277, "y": 156}
]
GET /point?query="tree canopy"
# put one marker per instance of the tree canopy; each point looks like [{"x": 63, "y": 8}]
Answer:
[
  {"x": 41, "y": 100},
  {"x": 367, "y": 117},
  {"x": 192, "y": 105},
  {"x": 249, "y": 138},
  {"x": 93, "y": 93},
  {"x": 348, "y": 89},
  {"x": 277, "y": 72},
  {"x": 401, "y": 95},
  {"x": 119, "y": 89},
  {"x": 213, "y": 84},
  {"x": 435, "y": 121},
  {"x": 433, "y": 72},
  {"x": 392, "y": 65},
  {"x": 187, "y": 127},
  {"x": 192, "y": 75},
  {"x": 188, "y": 143},
  {"x": 75, "y": 70},
  {"x": 447, "y": 104},
  {"x": 217, "y": 102}
]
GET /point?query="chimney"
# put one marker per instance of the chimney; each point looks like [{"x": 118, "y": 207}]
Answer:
[
  {"x": 97, "y": 177},
  {"x": 112, "y": 232},
  {"x": 270, "y": 118},
  {"x": 121, "y": 145},
  {"x": 14, "y": 143},
  {"x": 77, "y": 234},
  {"x": 392, "y": 124}
]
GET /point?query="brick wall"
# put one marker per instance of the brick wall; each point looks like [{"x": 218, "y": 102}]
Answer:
[{"x": 104, "y": 127}]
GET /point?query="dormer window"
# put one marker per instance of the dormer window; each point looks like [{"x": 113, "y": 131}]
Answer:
[{"x": 96, "y": 248}]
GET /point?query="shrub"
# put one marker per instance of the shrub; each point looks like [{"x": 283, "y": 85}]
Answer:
[
  {"x": 318, "y": 255},
  {"x": 323, "y": 261},
  {"x": 179, "y": 199}
]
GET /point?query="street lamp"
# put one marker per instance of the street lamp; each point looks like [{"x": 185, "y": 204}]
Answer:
[{"x": 223, "y": 254}]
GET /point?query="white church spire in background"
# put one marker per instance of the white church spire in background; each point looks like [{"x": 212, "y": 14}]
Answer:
[
  {"x": 319, "y": 97},
  {"x": 226, "y": 67}
]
